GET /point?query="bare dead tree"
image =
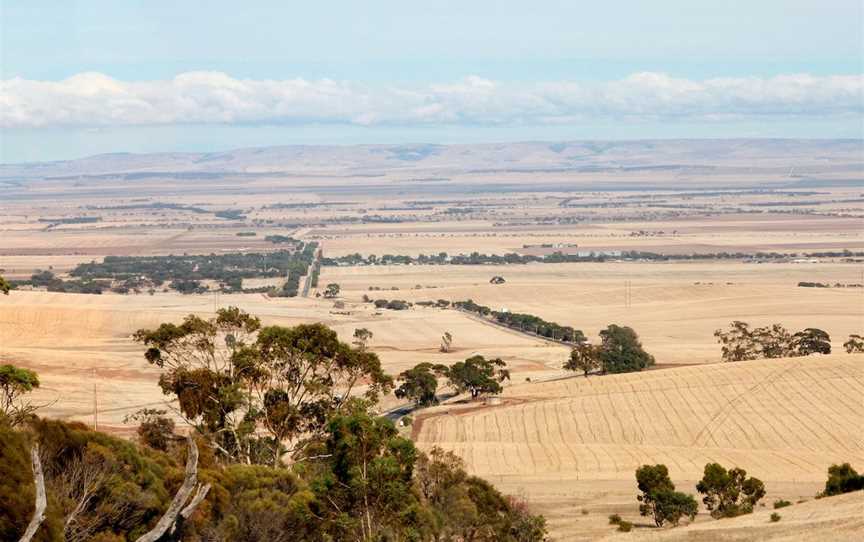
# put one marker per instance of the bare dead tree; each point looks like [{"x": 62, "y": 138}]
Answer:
[
  {"x": 167, "y": 523},
  {"x": 41, "y": 500}
]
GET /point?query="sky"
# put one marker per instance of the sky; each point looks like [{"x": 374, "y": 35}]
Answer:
[{"x": 87, "y": 77}]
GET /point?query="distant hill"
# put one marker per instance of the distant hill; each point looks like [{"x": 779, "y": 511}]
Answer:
[{"x": 791, "y": 156}]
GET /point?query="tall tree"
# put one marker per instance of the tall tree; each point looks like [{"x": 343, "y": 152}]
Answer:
[
  {"x": 584, "y": 357},
  {"x": 729, "y": 493},
  {"x": 621, "y": 351},
  {"x": 234, "y": 378},
  {"x": 478, "y": 376},
  {"x": 307, "y": 375}
]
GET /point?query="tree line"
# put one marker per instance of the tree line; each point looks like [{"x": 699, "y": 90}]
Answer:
[
  {"x": 125, "y": 274},
  {"x": 524, "y": 322},
  {"x": 725, "y": 493},
  {"x": 477, "y": 258},
  {"x": 740, "y": 342}
]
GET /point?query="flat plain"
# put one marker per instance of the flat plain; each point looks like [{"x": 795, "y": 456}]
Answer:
[{"x": 569, "y": 444}]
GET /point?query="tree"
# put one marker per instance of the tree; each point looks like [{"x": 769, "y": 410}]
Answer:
[
  {"x": 14, "y": 383},
  {"x": 773, "y": 341},
  {"x": 420, "y": 384},
  {"x": 209, "y": 365},
  {"x": 811, "y": 341},
  {"x": 332, "y": 290},
  {"x": 478, "y": 376},
  {"x": 738, "y": 342},
  {"x": 368, "y": 483},
  {"x": 307, "y": 375},
  {"x": 4, "y": 286},
  {"x": 584, "y": 357},
  {"x": 855, "y": 344},
  {"x": 729, "y": 493},
  {"x": 235, "y": 380},
  {"x": 446, "y": 342},
  {"x": 659, "y": 498},
  {"x": 842, "y": 479},
  {"x": 362, "y": 336},
  {"x": 621, "y": 351}
]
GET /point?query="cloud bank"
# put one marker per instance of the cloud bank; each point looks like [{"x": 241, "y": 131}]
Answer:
[{"x": 94, "y": 99}]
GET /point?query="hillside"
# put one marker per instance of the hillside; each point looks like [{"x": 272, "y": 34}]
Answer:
[
  {"x": 565, "y": 442},
  {"x": 838, "y": 519}
]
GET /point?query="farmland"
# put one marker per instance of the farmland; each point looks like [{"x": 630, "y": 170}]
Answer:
[
  {"x": 568, "y": 444},
  {"x": 785, "y": 421}
]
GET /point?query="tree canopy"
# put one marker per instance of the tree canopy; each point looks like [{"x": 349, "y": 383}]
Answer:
[
  {"x": 478, "y": 376},
  {"x": 15, "y": 382},
  {"x": 729, "y": 493},
  {"x": 621, "y": 351},
  {"x": 250, "y": 389},
  {"x": 659, "y": 498},
  {"x": 420, "y": 384},
  {"x": 584, "y": 357}
]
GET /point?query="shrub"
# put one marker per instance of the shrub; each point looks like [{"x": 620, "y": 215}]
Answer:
[
  {"x": 625, "y": 526},
  {"x": 781, "y": 504},
  {"x": 614, "y": 519},
  {"x": 775, "y": 517}
]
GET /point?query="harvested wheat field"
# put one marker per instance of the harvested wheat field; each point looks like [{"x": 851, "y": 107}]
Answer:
[
  {"x": 77, "y": 341},
  {"x": 675, "y": 307},
  {"x": 562, "y": 442}
]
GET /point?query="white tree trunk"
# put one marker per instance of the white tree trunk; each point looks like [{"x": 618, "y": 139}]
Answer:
[
  {"x": 190, "y": 482},
  {"x": 41, "y": 500}
]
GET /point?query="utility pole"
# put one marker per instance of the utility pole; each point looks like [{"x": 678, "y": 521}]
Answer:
[{"x": 95, "y": 403}]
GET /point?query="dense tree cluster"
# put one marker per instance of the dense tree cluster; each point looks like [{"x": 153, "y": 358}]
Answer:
[
  {"x": 187, "y": 271},
  {"x": 366, "y": 484},
  {"x": 52, "y": 283},
  {"x": 740, "y": 342},
  {"x": 248, "y": 390}
]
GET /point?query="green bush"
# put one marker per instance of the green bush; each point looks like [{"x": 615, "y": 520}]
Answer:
[
  {"x": 781, "y": 504},
  {"x": 625, "y": 526},
  {"x": 614, "y": 519},
  {"x": 775, "y": 517}
]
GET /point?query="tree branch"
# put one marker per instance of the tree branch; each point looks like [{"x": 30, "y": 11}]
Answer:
[
  {"x": 41, "y": 500},
  {"x": 182, "y": 496}
]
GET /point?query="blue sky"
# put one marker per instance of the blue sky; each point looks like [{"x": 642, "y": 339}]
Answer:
[{"x": 104, "y": 76}]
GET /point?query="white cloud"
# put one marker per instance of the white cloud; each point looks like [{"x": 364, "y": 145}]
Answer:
[{"x": 94, "y": 99}]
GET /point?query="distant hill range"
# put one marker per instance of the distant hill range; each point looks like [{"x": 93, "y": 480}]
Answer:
[{"x": 528, "y": 156}]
